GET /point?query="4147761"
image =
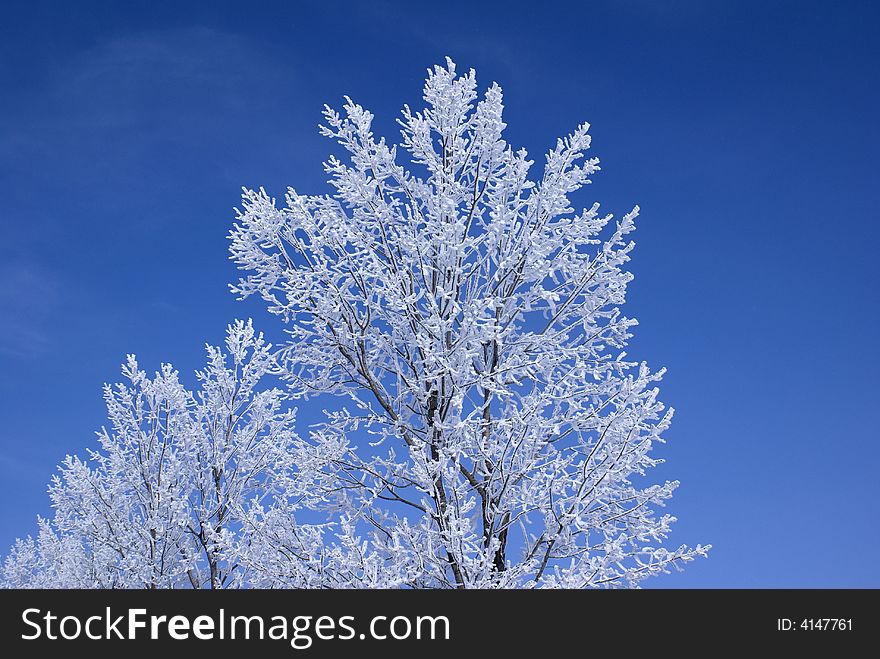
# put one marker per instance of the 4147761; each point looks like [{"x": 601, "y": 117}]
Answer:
[{"x": 814, "y": 624}]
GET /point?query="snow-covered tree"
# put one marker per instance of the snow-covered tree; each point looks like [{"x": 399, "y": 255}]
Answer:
[
  {"x": 181, "y": 485},
  {"x": 485, "y": 428},
  {"x": 470, "y": 316}
]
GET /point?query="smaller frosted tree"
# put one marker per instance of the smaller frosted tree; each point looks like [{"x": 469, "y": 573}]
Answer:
[{"x": 181, "y": 485}]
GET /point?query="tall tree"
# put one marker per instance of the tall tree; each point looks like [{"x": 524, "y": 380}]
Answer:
[{"x": 471, "y": 317}]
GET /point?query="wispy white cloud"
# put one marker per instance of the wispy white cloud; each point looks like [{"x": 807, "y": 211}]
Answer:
[
  {"x": 28, "y": 296},
  {"x": 111, "y": 110}
]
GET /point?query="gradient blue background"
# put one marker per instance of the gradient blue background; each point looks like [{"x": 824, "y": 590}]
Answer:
[{"x": 747, "y": 132}]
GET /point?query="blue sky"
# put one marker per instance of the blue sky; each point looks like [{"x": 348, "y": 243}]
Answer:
[{"x": 746, "y": 131}]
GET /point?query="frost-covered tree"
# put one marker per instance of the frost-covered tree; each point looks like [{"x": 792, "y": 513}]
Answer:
[
  {"x": 470, "y": 316},
  {"x": 485, "y": 428},
  {"x": 182, "y": 484}
]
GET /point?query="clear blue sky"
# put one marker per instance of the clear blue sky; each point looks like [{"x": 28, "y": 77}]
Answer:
[{"x": 747, "y": 132}]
